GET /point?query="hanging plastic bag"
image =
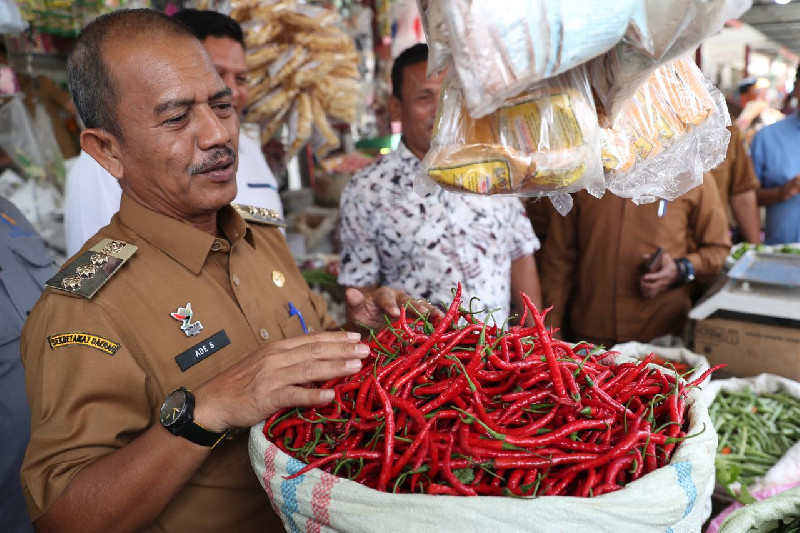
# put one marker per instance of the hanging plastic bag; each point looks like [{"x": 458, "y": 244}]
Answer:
[
  {"x": 48, "y": 147},
  {"x": 667, "y": 135},
  {"x": 438, "y": 38},
  {"x": 658, "y": 32},
  {"x": 500, "y": 49},
  {"x": 18, "y": 139},
  {"x": 10, "y": 19},
  {"x": 543, "y": 142}
]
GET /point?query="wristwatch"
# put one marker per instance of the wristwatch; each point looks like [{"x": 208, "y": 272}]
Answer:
[
  {"x": 685, "y": 272},
  {"x": 177, "y": 416}
]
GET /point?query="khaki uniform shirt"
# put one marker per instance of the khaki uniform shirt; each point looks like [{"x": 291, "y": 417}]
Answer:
[
  {"x": 735, "y": 174},
  {"x": 89, "y": 401},
  {"x": 592, "y": 260}
]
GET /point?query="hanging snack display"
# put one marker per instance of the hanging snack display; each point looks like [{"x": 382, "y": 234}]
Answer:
[
  {"x": 539, "y": 92},
  {"x": 542, "y": 141},
  {"x": 303, "y": 71},
  {"x": 67, "y": 18},
  {"x": 550, "y": 140}
]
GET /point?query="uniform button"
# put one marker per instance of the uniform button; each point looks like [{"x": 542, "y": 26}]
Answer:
[
  {"x": 235, "y": 279},
  {"x": 216, "y": 245},
  {"x": 264, "y": 334}
]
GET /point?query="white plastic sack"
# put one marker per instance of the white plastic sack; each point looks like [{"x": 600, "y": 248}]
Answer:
[
  {"x": 668, "y": 499},
  {"x": 639, "y": 351},
  {"x": 763, "y": 516}
]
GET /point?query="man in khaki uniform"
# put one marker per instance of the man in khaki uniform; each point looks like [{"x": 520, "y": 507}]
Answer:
[
  {"x": 592, "y": 264},
  {"x": 737, "y": 184},
  {"x": 178, "y": 291}
]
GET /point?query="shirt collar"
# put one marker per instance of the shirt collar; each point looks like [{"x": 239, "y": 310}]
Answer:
[
  {"x": 406, "y": 155},
  {"x": 183, "y": 243}
]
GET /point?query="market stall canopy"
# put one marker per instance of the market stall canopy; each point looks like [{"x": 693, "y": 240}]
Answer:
[{"x": 779, "y": 22}]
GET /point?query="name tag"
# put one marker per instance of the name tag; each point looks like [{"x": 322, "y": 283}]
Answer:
[{"x": 202, "y": 350}]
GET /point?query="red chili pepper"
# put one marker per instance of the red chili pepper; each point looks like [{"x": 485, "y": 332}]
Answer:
[
  {"x": 388, "y": 439},
  {"x": 350, "y": 454}
]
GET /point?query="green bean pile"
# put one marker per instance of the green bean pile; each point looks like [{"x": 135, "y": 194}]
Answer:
[{"x": 754, "y": 432}]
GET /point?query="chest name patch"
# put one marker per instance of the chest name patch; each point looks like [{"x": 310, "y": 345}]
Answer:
[
  {"x": 202, "y": 350},
  {"x": 83, "y": 339}
]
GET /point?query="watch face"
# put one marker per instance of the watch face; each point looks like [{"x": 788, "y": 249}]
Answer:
[{"x": 172, "y": 408}]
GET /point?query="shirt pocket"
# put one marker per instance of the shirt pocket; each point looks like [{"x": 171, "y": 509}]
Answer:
[{"x": 292, "y": 325}]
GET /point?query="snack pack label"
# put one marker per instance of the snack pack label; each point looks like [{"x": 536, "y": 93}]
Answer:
[
  {"x": 546, "y": 123},
  {"x": 483, "y": 177}
]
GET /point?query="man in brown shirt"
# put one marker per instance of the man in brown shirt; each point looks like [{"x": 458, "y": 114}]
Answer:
[
  {"x": 737, "y": 184},
  {"x": 178, "y": 291},
  {"x": 592, "y": 264}
]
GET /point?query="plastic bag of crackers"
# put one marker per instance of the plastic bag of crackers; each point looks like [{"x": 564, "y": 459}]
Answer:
[
  {"x": 303, "y": 71},
  {"x": 666, "y": 135},
  {"x": 543, "y": 142}
]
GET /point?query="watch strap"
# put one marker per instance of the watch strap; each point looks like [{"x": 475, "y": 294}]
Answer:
[
  {"x": 685, "y": 272},
  {"x": 196, "y": 433}
]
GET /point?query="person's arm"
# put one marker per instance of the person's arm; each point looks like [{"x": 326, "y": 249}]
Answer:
[
  {"x": 359, "y": 267},
  {"x": 742, "y": 188},
  {"x": 127, "y": 489},
  {"x": 745, "y": 211},
  {"x": 85, "y": 471},
  {"x": 559, "y": 257},
  {"x": 767, "y": 196},
  {"x": 522, "y": 243},
  {"x": 775, "y": 195},
  {"x": 709, "y": 224},
  {"x": 525, "y": 278}
]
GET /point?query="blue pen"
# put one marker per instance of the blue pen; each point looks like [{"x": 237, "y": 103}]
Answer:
[{"x": 295, "y": 311}]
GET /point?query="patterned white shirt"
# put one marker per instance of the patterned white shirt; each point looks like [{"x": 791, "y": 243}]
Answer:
[{"x": 391, "y": 236}]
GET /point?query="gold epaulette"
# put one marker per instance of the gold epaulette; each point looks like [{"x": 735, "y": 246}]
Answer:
[
  {"x": 259, "y": 215},
  {"x": 90, "y": 270}
]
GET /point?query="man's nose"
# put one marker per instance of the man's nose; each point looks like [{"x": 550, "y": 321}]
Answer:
[{"x": 212, "y": 130}]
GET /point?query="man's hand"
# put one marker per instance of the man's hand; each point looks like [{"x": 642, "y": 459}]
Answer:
[
  {"x": 367, "y": 307},
  {"x": 277, "y": 376},
  {"x": 663, "y": 274},
  {"x": 791, "y": 188}
]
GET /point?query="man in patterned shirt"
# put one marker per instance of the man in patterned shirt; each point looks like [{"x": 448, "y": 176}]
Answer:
[{"x": 391, "y": 236}]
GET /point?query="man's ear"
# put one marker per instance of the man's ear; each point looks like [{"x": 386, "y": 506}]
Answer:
[
  {"x": 394, "y": 108},
  {"x": 105, "y": 148}
]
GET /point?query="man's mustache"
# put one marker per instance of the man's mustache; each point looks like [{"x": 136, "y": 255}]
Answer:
[{"x": 218, "y": 155}]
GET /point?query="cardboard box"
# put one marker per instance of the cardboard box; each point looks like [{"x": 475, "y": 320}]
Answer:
[{"x": 749, "y": 348}]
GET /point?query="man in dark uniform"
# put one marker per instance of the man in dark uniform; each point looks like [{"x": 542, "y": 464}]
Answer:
[
  {"x": 181, "y": 322},
  {"x": 25, "y": 266}
]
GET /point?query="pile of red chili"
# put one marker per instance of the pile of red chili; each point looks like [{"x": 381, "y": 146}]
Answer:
[{"x": 453, "y": 406}]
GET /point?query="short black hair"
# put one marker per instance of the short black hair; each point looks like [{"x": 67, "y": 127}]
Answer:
[
  {"x": 410, "y": 56},
  {"x": 205, "y": 24},
  {"x": 93, "y": 89}
]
